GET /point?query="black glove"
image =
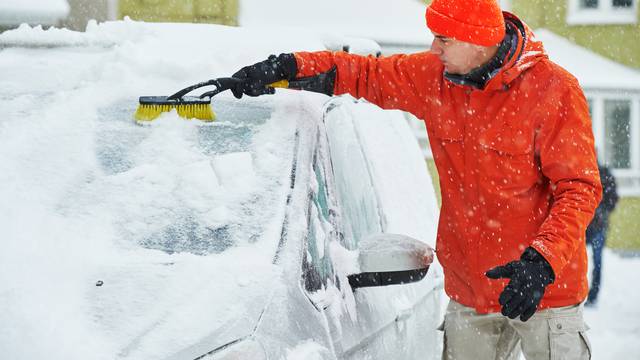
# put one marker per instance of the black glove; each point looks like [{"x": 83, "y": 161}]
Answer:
[
  {"x": 529, "y": 277},
  {"x": 255, "y": 77}
]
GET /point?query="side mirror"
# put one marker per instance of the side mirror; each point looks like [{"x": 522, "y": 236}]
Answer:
[{"x": 391, "y": 259}]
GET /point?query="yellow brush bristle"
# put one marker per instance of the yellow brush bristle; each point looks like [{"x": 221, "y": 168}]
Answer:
[
  {"x": 196, "y": 111},
  {"x": 148, "y": 112}
]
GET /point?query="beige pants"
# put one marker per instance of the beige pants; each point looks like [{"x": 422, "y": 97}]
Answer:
[{"x": 557, "y": 333}]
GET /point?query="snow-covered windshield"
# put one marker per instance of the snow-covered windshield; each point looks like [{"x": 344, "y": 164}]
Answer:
[
  {"x": 175, "y": 186},
  {"x": 178, "y": 186}
]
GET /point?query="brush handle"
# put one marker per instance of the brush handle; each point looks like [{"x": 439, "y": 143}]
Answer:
[
  {"x": 221, "y": 84},
  {"x": 321, "y": 83},
  {"x": 283, "y": 84}
]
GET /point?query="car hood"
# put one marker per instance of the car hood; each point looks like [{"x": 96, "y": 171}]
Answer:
[{"x": 184, "y": 305}]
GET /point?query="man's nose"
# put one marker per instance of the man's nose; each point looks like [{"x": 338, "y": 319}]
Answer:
[{"x": 435, "y": 47}]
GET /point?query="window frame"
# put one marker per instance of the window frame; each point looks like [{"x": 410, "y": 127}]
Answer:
[
  {"x": 628, "y": 179},
  {"x": 605, "y": 13},
  {"x": 320, "y": 162}
]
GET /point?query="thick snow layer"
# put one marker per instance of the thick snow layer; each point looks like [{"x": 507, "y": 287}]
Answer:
[
  {"x": 89, "y": 197},
  {"x": 397, "y": 22},
  {"x": 308, "y": 350},
  {"x": 45, "y": 12}
]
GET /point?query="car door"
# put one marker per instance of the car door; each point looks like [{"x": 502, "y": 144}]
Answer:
[{"x": 396, "y": 321}]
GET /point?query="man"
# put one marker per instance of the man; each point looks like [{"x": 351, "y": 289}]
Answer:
[
  {"x": 597, "y": 230},
  {"x": 511, "y": 138}
]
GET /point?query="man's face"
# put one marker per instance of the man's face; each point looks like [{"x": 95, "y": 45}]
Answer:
[{"x": 459, "y": 57}]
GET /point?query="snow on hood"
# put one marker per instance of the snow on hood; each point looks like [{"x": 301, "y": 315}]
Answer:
[
  {"x": 45, "y": 12},
  {"x": 153, "y": 306}
]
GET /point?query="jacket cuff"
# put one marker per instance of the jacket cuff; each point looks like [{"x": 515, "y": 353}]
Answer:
[
  {"x": 533, "y": 255},
  {"x": 555, "y": 263}
]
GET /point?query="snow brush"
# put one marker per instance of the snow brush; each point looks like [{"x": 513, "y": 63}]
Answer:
[
  {"x": 188, "y": 107},
  {"x": 199, "y": 107}
]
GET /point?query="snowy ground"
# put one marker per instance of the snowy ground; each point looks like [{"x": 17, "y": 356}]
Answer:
[{"x": 615, "y": 321}]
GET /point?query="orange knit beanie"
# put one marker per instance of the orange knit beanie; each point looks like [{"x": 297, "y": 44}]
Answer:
[{"x": 475, "y": 21}]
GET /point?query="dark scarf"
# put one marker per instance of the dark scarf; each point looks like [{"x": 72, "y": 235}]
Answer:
[{"x": 479, "y": 76}]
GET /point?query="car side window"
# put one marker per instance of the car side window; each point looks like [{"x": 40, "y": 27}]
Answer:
[
  {"x": 318, "y": 269},
  {"x": 322, "y": 194},
  {"x": 355, "y": 190}
]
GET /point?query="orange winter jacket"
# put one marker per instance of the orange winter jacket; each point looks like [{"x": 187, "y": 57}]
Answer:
[{"x": 516, "y": 161}]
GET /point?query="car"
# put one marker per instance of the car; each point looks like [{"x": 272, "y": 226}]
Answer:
[{"x": 294, "y": 226}]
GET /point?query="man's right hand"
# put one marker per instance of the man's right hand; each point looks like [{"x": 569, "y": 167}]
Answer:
[
  {"x": 256, "y": 77},
  {"x": 528, "y": 278}
]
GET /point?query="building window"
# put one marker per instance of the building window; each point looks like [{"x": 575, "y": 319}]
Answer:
[
  {"x": 622, "y": 3},
  {"x": 581, "y": 12},
  {"x": 589, "y": 4},
  {"x": 617, "y": 120},
  {"x": 595, "y": 4},
  {"x": 616, "y": 128}
]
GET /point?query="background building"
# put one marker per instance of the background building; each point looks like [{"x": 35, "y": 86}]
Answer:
[
  {"x": 84, "y": 10},
  {"x": 33, "y": 12},
  {"x": 200, "y": 11},
  {"x": 74, "y": 14},
  {"x": 609, "y": 28}
]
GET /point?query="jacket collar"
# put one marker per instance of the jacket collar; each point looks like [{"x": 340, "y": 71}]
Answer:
[
  {"x": 518, "y": 52},
  {"x": 480, "y": 76}
]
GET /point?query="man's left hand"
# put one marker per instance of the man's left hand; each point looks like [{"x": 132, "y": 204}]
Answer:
[{"x": 529, "y": 277}]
